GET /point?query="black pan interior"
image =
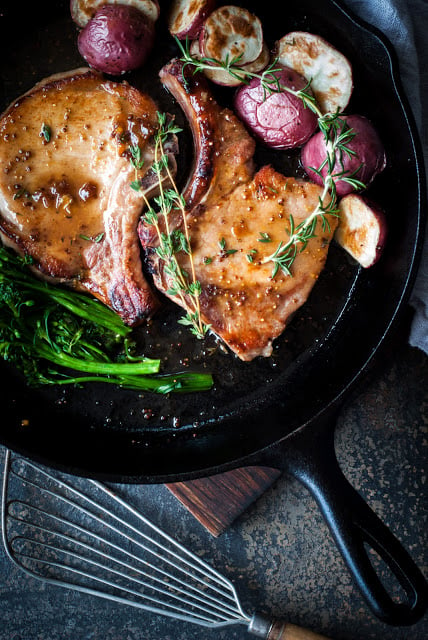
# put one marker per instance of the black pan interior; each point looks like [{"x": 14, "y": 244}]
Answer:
[{"x": 124, "y": 434}]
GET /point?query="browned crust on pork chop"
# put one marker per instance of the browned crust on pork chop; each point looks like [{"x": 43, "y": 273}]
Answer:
[
  {"x": 65, "y": 186},
  {"x": 223, "y": 149}
]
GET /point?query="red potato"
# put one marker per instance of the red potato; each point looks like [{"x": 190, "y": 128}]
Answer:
[
  {"x": 329, "y": 72},
  {"x": 362, "y": 229},
  {"x": 280, "y": 119},
  {"x": 83, "y": 10},
  {"x": 367, "y": 159},
  {"x": 229, "y": 32},
  {"x": 224, "y": 78},
  {"x": 117, "y": 39},
  {"x": 186, "y": 17}
]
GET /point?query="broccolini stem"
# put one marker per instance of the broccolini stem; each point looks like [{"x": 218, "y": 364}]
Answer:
[
  {"x": 179, "y": 383},
  {"x": 77, "y": 303},
  {"x": 13, "y": 268},
  {"x": 143, "y": 367}
]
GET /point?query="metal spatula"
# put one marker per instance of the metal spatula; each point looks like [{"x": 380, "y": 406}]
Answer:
[{"x": 81, "y": 535}]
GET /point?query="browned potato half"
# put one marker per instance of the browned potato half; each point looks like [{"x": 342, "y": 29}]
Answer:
[
  {"x": 83, "y": 10},
  {"x": 362, "y": 229},
  {"x": 186, "y": 17},
  {"x": 328, "y": 71},
  {"x": 231, "y": 31}
]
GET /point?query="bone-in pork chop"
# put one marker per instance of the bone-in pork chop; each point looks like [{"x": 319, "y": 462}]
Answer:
[
  {"x": 69, "y": 150},
  {"x": 234, "y": 228}
]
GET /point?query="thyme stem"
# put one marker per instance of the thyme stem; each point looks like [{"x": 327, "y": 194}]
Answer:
[
  {"x": 197, "y": 309},
  {"x": 285, "y": 254},
  {"x": 172, "y": 241}
]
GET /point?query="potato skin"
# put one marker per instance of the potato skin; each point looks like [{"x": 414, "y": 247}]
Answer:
[
  {"x": 280, "y": 119},
  {"x": 368, "y": 160},
  {"x": 117, "y": 39}
]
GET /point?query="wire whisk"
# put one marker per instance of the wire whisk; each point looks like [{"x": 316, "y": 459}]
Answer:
[{"x": 84, "y": 536}]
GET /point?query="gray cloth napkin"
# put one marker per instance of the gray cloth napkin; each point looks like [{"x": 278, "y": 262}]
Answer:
[{"x": 405, "y": 23}]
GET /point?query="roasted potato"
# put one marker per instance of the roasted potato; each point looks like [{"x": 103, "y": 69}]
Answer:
[
  {"x": 279, "y": 119},
  {"x": 117, "y": 39},
  {"x": 362, "y": 229},
  {"x": 363, "y": 158}
]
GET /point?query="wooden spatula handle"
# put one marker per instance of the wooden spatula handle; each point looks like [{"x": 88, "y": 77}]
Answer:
[
  {"x": 271, "y": 629},
  {"x": 284, "y": 631}
]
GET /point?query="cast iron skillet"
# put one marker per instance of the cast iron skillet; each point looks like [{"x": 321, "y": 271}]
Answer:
[{"x": 276, "y": 412}]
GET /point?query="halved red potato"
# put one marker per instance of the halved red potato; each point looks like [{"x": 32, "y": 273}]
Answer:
[
  {"x": 329, "y": 72},
  {"x": 83, "y": 10},
  {"x": 362, "y": 229},
  {"x": 230, "y": 32},
  {"x": 186, "y": 17},
  {"x": 224, "y": 78},
  {"x": 279, "y": 119}
]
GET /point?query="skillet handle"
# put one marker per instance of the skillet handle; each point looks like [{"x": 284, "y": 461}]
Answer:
[{"x": 311, "y": 458}]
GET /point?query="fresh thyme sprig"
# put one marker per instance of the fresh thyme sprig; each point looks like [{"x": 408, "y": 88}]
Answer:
[
  {"x": 337, "y": 135},
  {"x": 286, "y": 252},
  {"x": 172, "y": 241}
]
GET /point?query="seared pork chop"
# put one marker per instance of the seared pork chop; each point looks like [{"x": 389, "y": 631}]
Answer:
[
  {"x": 245, "y": 306},
  {"x": 236, "y": 220},
  {"x": 69, "y": 150}
]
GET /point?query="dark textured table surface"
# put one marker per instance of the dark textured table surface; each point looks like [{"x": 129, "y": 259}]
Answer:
[{"x": 279, "y": 554}]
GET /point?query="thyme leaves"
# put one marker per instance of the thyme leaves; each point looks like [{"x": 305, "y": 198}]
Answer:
[
  {"x": 45, "y": 132},
  {"x": 224, "y": 250},
  {"x": 231, "y": 65},
  {"x": 337, "y": 136},
  {"x": 136, "y": 159}
]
